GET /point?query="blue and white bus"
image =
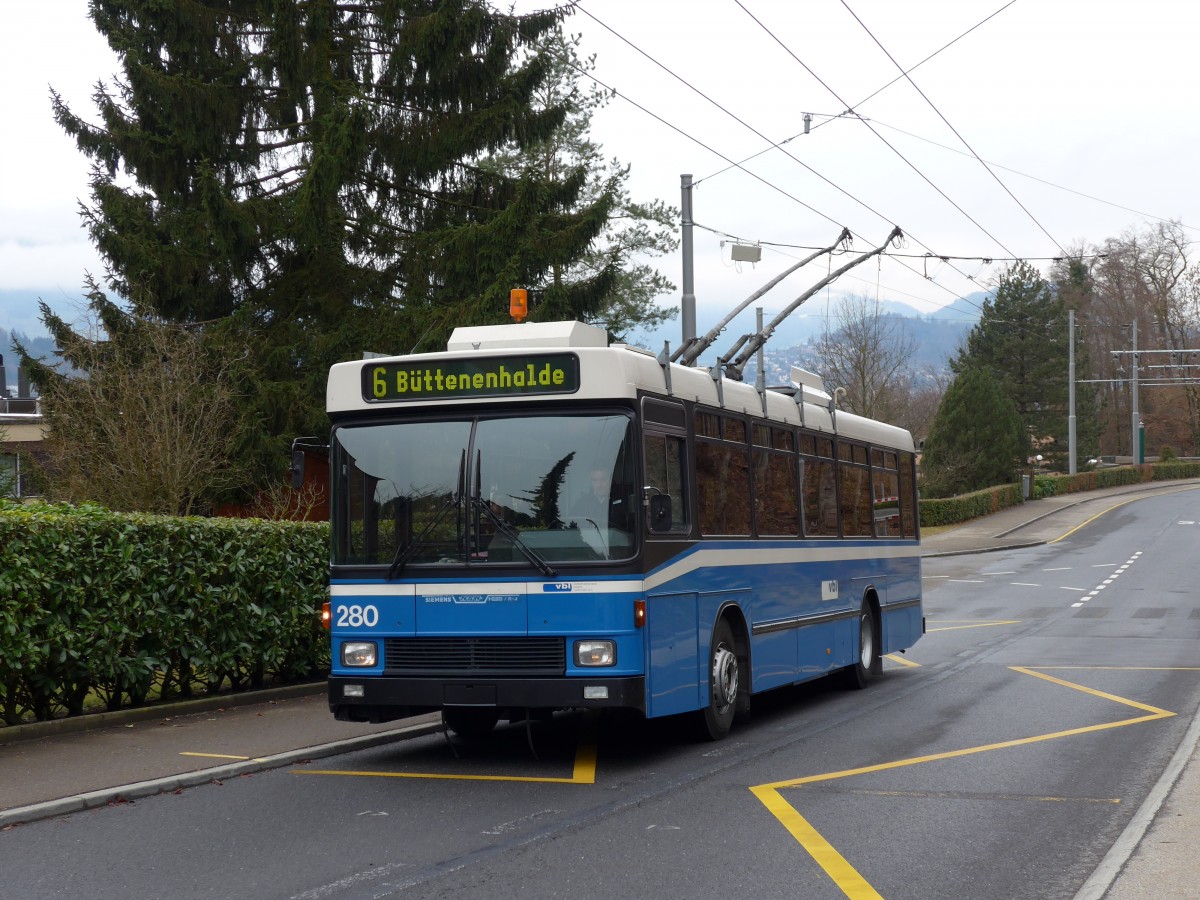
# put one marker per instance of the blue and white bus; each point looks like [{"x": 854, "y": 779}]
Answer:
[{"x": 534, "y": 520}]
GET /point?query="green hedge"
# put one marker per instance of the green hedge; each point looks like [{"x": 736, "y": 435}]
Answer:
[
  {"x": 119, "y": 608},
  {"x": 1053, "y": 485},
  {"x": 1169, "y": 471},
  {"x": 952, "y": 510}
]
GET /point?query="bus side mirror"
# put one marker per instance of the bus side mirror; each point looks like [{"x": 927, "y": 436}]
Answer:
[
  {"x": 660, "y": 512},
  {"x": 297, "y": 469}
]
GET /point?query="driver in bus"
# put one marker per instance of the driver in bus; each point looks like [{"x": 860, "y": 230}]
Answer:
[{"x": 599, "y": 504}]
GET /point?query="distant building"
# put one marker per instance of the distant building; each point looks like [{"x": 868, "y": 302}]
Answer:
[{"x": 22, "y": 431}]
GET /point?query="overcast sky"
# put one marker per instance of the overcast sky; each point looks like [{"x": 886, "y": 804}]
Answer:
[{"x": 1085, "y": 110}]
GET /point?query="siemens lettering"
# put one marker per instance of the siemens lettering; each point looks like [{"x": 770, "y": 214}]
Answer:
[{"x": 487, "y": 377}]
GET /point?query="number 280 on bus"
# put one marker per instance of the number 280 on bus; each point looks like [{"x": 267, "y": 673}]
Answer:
[{"x": 534, "y": 520}]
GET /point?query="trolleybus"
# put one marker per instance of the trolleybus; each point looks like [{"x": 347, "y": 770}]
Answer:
[{"x": 535, "y": 520}]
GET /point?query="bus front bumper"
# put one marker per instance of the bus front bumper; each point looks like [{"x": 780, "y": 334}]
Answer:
[{"x": 383, "y": 699}]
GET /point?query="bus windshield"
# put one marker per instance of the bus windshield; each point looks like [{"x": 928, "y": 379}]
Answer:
[{"x": 484, "y": 491}]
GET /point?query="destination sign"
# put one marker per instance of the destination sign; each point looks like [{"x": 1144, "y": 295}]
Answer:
[{"x": 539, "y": 373}]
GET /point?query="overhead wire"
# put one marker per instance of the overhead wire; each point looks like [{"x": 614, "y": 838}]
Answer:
[
  {"x": 986, "y": 258},
  {"x": 957, "y": 134},
  {"x": 698, "y": 142},
  {"x": 754, "y": 175},
  {"x": 889, "y": 145},
  {"x": 1059, "y": 187},
  {"x": 757, "y": 133},
  {"x": 897, "y": 152},
  {"x": 737, "y": 119},
  {"x": 870, "y": 96}
]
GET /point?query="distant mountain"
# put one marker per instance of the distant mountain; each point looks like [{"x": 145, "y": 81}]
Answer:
[
  {"x": 969, "y": 308},
  {"x": 936, "y": 342},
  {"x": 937, "y": 334}
]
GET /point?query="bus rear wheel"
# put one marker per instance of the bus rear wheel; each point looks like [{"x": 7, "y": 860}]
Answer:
[
  {"x": 471, "y": 723},
  {"x": 724, "y": 678},
  {"x": 869, "y": 664}
]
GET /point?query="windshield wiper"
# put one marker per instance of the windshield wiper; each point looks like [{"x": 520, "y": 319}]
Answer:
[
  {"x": 405, "y": 553},
  {"x": 513, "y": 535}
]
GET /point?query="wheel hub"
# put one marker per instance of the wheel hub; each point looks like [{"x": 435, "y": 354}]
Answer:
[
  {"x": 867, "y": 641},
  {"x": 724, "y": 677}
]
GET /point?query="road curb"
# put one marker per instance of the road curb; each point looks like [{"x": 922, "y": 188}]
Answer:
[
  {"x": 1017, "y": 546},
  {"x": 126, "y": 793},
  {"x": 1126, "y": 845}
]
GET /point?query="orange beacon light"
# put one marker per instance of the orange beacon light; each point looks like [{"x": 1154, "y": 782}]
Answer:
[{"x": 518, "y": 304}]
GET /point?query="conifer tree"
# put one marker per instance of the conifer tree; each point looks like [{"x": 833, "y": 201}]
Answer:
[
  {"x": 305, "y": 177},
  {"x": 977, "y": 439},
  {"x": 619, "y": 283},
  {"x": 1021, "y": 339}
]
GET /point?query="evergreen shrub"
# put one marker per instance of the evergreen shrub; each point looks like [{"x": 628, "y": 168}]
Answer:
[
  {"x": 954, "y": 510},
  {"x": 124, "y": 607}
]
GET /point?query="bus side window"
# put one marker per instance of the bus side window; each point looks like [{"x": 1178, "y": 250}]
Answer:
[{"x": 665, "y": 455}]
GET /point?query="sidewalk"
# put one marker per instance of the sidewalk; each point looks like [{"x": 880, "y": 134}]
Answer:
[
  {"x": 1039, "y": 521},
  {"x": 56, "y": 768}
]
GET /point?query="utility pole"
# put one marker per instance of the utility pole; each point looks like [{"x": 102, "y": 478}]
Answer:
[
  {"x": 688, "y": 304},
  {"x": 1135, "y": 431},
  {"x": 1072, "y": 468}
]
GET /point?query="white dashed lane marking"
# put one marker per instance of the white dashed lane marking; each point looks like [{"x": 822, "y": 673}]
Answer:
[{"x": 1107, "y": 581}]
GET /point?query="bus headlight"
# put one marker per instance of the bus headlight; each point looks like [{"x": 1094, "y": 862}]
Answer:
[
  {"x": 595, "y": 653},
  {"x": 359, "y": 653}
]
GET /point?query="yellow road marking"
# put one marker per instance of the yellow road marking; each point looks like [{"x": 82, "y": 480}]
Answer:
[
  {"x": 1062, "y": 537},
  {"x": 220, "y": 756},
  {"x": 844, "y": 875},
  {"x": 975, "y": 625},
  {"x": 1124, "y": 668},
  {"x": 960, "y": 795},
  {"x": 583, "y": 772},
  {"x": 902, "y": 661}
]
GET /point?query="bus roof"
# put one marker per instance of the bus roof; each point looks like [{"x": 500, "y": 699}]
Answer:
[{"x": 553, "y": 361}]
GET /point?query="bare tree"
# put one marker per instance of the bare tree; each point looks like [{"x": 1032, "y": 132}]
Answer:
[
  {"x": 146, "y": 422},
  {"x": 1145, "y": 276},
  {"x": 868, "y": 356},
  {"x": 923, "y": 393}
]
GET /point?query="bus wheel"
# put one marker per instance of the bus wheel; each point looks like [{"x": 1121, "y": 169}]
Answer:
[
  {"x": 724, "y": 676},
  {"x": 869, "y": 664},
  {"x": 471, "y": 722}
]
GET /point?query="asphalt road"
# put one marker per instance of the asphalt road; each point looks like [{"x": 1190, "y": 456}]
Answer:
[{"x": 1000, "y": 758}]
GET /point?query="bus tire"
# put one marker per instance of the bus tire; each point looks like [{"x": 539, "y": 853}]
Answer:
[
  {"x": 724, "y": 680},
  {"x": 868, "y": 664},
  {"x": 471, "y": 723}
]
